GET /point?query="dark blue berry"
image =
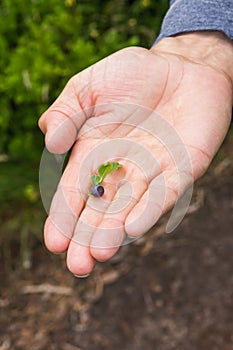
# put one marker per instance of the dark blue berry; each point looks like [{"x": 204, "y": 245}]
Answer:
[{"x": 97, "y": 190}]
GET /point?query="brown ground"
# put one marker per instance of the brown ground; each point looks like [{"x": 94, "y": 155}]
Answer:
[{"x": 166, "y": 292}]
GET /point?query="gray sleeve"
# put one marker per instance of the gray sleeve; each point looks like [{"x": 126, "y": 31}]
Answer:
[{"x": 193, "y": 15}]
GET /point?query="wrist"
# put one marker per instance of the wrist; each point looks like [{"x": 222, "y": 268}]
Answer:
[{"x": 211, "y": 48}]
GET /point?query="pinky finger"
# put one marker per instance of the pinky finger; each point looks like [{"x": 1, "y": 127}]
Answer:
[
  {"x": 145, "y": 214},
  {"x": 158, "y": 198}
]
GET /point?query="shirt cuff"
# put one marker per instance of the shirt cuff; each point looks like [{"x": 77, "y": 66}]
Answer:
[{"x": 195, "y": 15}]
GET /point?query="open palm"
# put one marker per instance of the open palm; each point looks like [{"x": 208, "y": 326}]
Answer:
[{"x": 154, "y": 112}]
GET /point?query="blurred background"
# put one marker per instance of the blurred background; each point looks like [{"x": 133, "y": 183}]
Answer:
[
  {"x": 42, "y": 44},
  {"x": 164, "y": 292}
]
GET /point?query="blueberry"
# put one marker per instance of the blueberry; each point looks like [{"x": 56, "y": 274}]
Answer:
[{"x": 97, "y": 190}]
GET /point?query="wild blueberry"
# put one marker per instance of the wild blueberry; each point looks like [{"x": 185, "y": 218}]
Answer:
[{"x": 97, "y": 190}]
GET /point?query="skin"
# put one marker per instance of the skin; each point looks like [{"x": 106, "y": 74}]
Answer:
[{"x": 187, "y": 80}]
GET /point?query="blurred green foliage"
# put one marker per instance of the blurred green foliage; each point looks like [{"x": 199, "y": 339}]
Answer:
[{"x": 43, "y": 43}]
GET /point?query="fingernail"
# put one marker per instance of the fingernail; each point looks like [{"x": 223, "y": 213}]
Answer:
[{"x": 82, "y": 276}]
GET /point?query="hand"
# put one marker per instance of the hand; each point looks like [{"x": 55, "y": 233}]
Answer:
[{"x": 118, "y": 99}]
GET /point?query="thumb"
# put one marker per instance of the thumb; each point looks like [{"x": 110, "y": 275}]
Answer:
[{"x": 62, "y": 120}]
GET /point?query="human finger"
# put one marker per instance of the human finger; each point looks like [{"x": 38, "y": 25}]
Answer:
[
  {"x": 162, "y": 194},
  {"x": 62, "y": 120}
]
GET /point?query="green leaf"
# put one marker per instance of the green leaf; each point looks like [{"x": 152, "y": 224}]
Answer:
[
  {"x": 95, "y": 179},
  {"x": 107, "y": 168},
  {"x": 103, "y": 171}
]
